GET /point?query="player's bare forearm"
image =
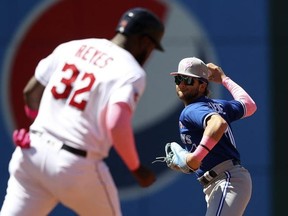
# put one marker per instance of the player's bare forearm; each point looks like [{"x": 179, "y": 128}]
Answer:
[{"x": 32, "y": 93}]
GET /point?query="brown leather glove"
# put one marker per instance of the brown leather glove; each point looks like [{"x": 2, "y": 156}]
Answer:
[{"x": 144, "y": 176}]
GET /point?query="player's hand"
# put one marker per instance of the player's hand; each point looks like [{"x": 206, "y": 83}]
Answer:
[
  {"x": 144, "y": 176},
  {"x": 217, "y": 74},
  {"x": 21, "y": 138}
]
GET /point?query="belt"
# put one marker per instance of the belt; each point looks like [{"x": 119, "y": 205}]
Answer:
[
  {"x": 208, "y": 176},
  {"x": 66, "y": 147},
  {"x": 75, "y": 151}
]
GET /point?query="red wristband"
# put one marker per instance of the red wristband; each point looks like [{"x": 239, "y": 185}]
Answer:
[{"x": 30, "y": 113}]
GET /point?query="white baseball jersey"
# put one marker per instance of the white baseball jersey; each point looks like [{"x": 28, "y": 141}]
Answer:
[{"x": 82, "y": 77}]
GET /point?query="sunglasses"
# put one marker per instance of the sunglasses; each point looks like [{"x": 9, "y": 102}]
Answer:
[{"x": 187, "y": 80}]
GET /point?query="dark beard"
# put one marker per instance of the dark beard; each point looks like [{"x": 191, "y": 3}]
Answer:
[{"x": 189, "y": 98}]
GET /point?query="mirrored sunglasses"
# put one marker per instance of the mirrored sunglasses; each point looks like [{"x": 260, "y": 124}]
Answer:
[{"x": 186, "y": 79}]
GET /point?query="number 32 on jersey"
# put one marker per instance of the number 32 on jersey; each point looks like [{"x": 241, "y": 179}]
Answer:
[{"x": 67, "y": 82}]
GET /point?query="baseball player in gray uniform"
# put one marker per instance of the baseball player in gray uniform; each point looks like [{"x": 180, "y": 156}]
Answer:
[
  {"x": 208, "y": 146},
  {"x": 82, "y": 96}
]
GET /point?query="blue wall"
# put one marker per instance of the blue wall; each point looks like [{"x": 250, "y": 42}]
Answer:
[{"x": 237, "y": 33}]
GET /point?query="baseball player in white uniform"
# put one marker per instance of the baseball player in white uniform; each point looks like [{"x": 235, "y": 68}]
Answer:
[{"x": 82, "y": 97}]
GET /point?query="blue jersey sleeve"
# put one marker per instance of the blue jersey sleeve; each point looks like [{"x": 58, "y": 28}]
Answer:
[{"x": 231, "y": 110}]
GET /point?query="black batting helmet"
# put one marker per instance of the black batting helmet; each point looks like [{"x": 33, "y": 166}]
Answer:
[{"x": 142, "y": 21}]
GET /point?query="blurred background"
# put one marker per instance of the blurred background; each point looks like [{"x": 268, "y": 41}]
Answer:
[{"x": 248, "y": 39}]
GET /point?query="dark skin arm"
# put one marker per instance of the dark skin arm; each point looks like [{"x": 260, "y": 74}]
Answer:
[{"x": 32, "y": 93}]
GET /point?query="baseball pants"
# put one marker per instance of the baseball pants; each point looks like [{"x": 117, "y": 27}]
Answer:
[
  {"x": 228, "y": 193},
  {"x": 45, "y": 175}
]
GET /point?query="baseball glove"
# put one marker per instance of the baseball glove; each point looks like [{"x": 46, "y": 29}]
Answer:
[{"x": 175, "y": 158}]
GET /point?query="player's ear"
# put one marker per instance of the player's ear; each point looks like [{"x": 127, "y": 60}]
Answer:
[{"x": 202, "y": 86}]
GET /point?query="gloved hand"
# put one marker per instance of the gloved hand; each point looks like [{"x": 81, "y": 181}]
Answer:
[
  {"x": 175, "y": 158},
  {"x": 21, "y": 138},
  {"x": 144, "y": 176}
]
